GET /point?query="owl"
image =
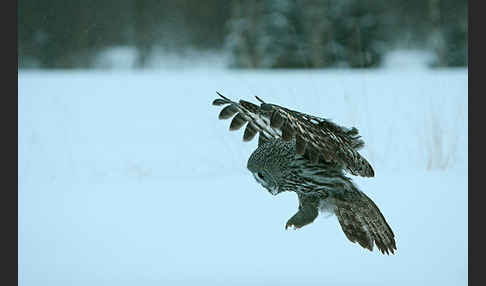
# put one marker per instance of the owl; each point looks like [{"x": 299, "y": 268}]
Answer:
[{"x": 310, "y": 156}]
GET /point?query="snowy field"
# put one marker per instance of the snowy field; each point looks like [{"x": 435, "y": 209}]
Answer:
[{"x": 129, "y": 178}]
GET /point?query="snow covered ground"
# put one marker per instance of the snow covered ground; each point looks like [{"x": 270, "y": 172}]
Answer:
[{"x": 129, "y": 178}]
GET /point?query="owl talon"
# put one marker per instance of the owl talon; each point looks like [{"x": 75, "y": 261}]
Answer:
[{"x": 291, "y": 225}]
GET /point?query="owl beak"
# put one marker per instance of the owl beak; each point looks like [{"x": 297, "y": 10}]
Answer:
[
  {"x": 274, "y": 191},
  {"x": 271, "y": 190}
]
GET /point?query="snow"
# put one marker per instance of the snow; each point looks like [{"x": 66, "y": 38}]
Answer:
[
  {"x": 118, "y": 57},
  {"x": 125, "y": 58},
  {"x": 128, "y": 177},
  {"x": 408, "y": 59}
]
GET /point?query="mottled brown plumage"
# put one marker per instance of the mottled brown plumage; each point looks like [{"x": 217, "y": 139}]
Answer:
[
  {"x": 306, "y": 154},
  {"x": 322, "y": 137}
]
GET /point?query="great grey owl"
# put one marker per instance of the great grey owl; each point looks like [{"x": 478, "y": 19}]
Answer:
[{"x": 306, "y": 154}]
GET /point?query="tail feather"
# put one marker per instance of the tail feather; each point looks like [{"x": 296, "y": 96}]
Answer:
[{"x": 362, "y": 221}]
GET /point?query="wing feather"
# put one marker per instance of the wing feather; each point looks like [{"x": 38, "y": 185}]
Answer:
[
  {"x": 247, "y": 112},
  {"x": 238, "y": 122},
  {"x": 320, "y": 137},
  {"x": 276, "y": 121},
  {"x": 250, "y": 132},
  {"x": 300, "y": 145},
  {"x": 227, "y": 112}
]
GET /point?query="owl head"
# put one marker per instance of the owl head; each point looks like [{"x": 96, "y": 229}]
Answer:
[{"x": 270, "y": 164}]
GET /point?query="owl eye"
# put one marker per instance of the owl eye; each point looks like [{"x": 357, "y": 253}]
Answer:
[{"x": 260, "y": 175}]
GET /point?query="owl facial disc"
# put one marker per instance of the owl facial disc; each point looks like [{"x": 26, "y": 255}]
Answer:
[{"x": 272, "y": 188}]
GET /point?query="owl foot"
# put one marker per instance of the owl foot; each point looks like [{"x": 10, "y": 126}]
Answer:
[{"x": 305, "y": 215}]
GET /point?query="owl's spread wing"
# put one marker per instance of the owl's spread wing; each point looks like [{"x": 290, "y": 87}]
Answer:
[
  {"x": 315, "y": 137},
  {"x": 362, "y": 221}
]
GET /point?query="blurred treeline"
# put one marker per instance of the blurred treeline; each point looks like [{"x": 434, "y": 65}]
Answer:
[{"x": 254, "y": 33}]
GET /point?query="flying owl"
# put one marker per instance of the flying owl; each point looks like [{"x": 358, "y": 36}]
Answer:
[{"x": 308, "y": 155}]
